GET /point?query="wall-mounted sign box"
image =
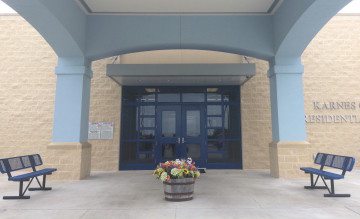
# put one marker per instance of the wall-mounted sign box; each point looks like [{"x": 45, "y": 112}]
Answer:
[{"x": 101, "y": 131}]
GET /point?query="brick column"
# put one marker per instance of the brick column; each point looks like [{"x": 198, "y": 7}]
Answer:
[
  {"x": 69, "y": 151},
  {"x": 289, "y": 149}
]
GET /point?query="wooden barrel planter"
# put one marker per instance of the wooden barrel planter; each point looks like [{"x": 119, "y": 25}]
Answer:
[{"x": 179, "y": 189}]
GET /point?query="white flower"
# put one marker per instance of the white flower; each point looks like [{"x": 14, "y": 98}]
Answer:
[
  {"x": 189, "y": 160},
  {"x": 163, "y": 176},
  {"x": 175, "y": 172}
]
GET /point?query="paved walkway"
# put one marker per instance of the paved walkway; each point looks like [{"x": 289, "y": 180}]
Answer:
[{"x": 218, "y": 194}]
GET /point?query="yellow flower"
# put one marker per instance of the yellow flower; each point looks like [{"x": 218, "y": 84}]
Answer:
[
  {"x": 197, "y": 174},
  {"x": 192, "y": 173},
  {"x": 158, "y": 171}
]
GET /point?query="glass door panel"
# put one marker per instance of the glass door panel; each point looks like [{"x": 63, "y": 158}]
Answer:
[
  {"x": 168, "y": 133},
  {"x": 168, "y": 123},
  {"x": 193, "y": 128},
  {"x": 193, "y": 137},
  {"x": 168, "y": 151},
  {"x": 193, "y": 151}
]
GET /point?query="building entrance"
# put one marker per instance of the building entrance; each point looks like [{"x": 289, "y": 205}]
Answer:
[
  {"x": 181, "y": 133},
  {"x": 166, "y": 123}
]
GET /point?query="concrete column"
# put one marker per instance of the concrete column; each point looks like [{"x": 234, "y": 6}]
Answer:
[
  {"x": 69, "y": 151},
  {"x": 289, "y": 149}
]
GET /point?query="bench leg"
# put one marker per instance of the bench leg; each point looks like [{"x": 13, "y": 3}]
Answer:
[
  {"x": 312, "y": 184},
  {"x": 21, "y": 192},
  {"x": 40, "y": 189},
  {"x": 16, "y": 197},
  {"x": 314, "y": 187},
  {"x": 332, "y": 191},
  {"x": 42, "y": 186}
]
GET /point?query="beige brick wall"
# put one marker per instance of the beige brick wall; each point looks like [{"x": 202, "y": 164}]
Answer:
[
  {"x": 27, "y": 85},
  {"x": 256, "y": 119},
  {"x": 105, "y": 107},
  {"x": 332, "y": 73},
  {"x": 332, "y": 63},
  {"x": 286, "y": 158},
  {"x": 72, "y": 160}
]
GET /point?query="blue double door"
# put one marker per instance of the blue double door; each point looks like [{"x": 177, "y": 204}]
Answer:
[{"x": 180, "y": 133}]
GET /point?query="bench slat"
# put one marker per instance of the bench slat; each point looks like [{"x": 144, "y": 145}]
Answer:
[
  {"x": 335, "y": 161},
  {"x": 319, "y": 158},
  {"x": 2, "y": 167},
  {"x": 28, "y": 176},
  {"x": 8, "y": 165},
  {"x": 325, "y": 174},
  {"x": 16, "y": 164}
]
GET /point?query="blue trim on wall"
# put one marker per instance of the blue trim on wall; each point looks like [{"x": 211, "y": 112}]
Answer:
[
  {"x": 224, "y": 166},
  {"x": 131, "y": 166}
]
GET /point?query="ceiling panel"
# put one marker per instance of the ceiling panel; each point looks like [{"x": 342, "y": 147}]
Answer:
[
  {"x": 179, "y": 6},
  {"x": 181, "y": 74},
  {"x": 180, "y": 80}
]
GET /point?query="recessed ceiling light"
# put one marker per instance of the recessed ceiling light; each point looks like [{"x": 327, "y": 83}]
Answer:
[
  {"x": 150, "y": 90},
  {"x": 212, "y": 90}
]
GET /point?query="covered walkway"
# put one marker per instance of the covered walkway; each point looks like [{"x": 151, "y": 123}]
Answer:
[
  {"x": 218, "y": 194},
  {"x": 81, "y": 32}
]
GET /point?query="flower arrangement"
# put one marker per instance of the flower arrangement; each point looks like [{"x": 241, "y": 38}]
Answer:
[{"x": 177, "y": 169}]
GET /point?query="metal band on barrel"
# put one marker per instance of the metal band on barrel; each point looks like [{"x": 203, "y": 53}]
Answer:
[
  {"x": 185, "y": 183},
  {"x": 184, "y": 193}
]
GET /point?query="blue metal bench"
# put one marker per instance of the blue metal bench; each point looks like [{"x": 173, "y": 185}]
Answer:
[
  {"x": 342, "y": 163},
  {"x": 9, "y": 165}
]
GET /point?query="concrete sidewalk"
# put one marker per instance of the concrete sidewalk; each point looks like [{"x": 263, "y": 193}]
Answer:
[{"x": 218, "y": 194}]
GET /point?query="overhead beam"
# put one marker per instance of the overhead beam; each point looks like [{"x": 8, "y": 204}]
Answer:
[{"x": 116, "y": 35}]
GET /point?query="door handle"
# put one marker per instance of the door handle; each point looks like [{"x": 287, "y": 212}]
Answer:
[{"x": 182, "y": 140}]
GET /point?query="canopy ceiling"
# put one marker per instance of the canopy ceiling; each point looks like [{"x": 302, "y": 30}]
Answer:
[
  {"x": 180, "y": 74},
  {"x": 179, "y": 6}
]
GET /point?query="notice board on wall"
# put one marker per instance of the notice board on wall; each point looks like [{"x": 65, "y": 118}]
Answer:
[{"x": 101, "y": 131}]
